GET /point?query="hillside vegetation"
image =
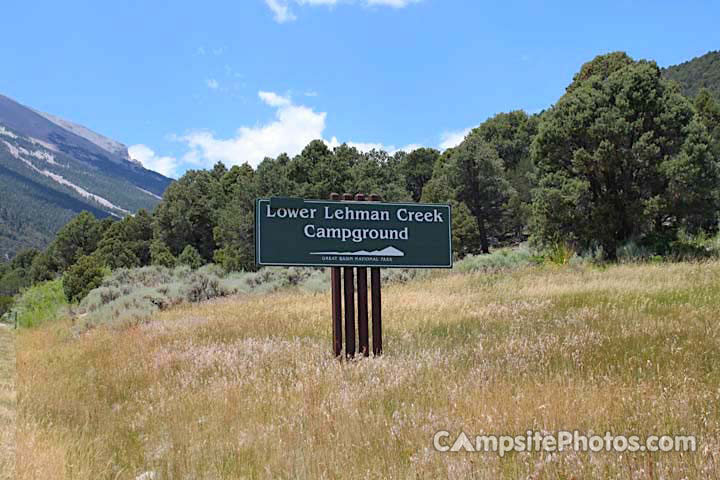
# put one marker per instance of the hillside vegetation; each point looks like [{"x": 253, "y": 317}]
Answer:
[
  {"x": 246, "y": 387},
  {"x": 621, "y": 161},
  {"x": 156, "y": 349},
  {"x": 51, "y": 170},
  {"x": 699, "y": 73}
]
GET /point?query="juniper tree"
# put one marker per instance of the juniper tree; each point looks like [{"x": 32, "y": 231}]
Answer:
[{"x": 621, "y": 156}]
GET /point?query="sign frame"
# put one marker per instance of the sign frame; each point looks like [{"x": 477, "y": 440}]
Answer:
[{"x": 294, "y": 203}]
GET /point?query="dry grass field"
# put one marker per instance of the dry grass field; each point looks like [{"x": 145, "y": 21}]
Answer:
[
  {"x": 246, "y": 387},
  {"x": 7, "y": 404}
]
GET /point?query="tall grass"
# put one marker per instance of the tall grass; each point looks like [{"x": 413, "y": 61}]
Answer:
[
  {"x": 246, "y": 387},
  {"x": 7, "y": 404}
]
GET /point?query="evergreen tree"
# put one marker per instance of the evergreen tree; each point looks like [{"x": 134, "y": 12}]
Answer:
[
  {"x": 82, "y": 277},
  {"x": 272, "y": 178},
  {"x": 44, "y": 267},
  {"x": 187, "y": 214},
  {"x": 234, "y": 233},
  {"x": 79, "y": 237},
  {"x": 190, "y": 257},
  {"x": 476, "y": 175},
  {"x": 511, "y": 135},
  {"x": 708, "y": 109},
  {"x": 317, "y": 171},
  {"x": 126, "y": 243},
  {"x": 417, "y": 167},
  {"x": 161, "y": 255},
  {"x": 620, "y": 156}
]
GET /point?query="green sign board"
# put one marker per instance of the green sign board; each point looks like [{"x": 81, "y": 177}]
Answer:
[{"x": 292, "y": 231}]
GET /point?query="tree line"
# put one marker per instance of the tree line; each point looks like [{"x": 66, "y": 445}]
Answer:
[{"x": 622, "y": 156}]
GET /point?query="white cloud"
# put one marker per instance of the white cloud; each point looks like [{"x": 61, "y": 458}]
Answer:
[
  {"x": 283, "y": 13},
  {"x": 281, "y": 10},
  {"x": 411, "y": 147},
  {"x": 453, "y": 139},
  {"x": 212, "y": 83},
  {"x": 145, "y": 155},
  {"x": 273, "y": 99},
  {"x": 369, "y": 146},
  {"x": 293, "y": 127}
]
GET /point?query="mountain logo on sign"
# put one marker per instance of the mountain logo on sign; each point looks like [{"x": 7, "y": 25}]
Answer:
[{"x": 385, "y": 252}]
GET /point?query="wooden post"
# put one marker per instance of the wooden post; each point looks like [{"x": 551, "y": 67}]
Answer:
[
  {"x": 336, "y": 302},
  {"x": 376, "y": 302},
  {"x": 363, "y": 338},
  {"x": 349, "y": 285}
]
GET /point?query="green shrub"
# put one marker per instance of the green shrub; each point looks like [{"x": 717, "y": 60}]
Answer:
[
  {"x": 15, "y": 275},
  {"x": 400, "y": 275},
  {"x": 82, "y": 277},
  {"x": 43, "y": 268},
  {"x": 130, "y": 296},
  {"x": 41, "y": 303},
  {"x": 234, "y": 259},
  {"x": 499, "y": 260},
  {"x": 118, "y": 254},
  {"x": 161, "y": 255},
  {"x": 694, "y": 247},
  {"x": 559, "y": 253},
  {"x": 12, "y": 282},
  {"x": 319, "y": 281},
  {"x": 631, "y": 252},
  {"x": 6, "y": 303},
  {"x": 204, "y": 287},
  {"x": 714, "y": 245},
  {"x": 190, "y": 257}
]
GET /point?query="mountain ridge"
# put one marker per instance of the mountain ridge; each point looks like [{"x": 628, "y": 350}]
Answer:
[
  {"x": 51, "y": 169},
  {"x": 108, "y": 144}
]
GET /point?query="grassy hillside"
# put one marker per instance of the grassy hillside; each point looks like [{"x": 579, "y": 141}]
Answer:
[
  {"x": 245, "y": 387},
  {"x": 696, "y": 74},
  {"x": 7, "y": 404}
]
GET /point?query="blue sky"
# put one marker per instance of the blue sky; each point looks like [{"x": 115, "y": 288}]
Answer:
[{"x": 188, "y": 83}]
